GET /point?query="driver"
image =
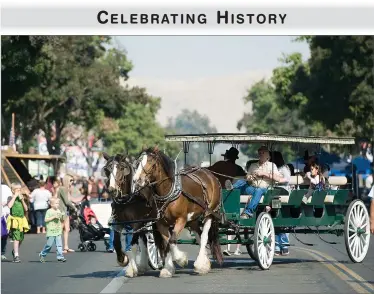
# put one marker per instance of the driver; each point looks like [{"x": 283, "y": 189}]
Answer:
[
  {"x": 227, "y": 167},
  {"x": 259, "y": 178}
]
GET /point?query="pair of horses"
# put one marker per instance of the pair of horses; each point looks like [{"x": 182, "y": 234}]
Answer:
[{"x": 151, "y": 188}]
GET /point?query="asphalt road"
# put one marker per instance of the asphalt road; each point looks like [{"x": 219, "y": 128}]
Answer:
[{"x": 317, "y": 269}]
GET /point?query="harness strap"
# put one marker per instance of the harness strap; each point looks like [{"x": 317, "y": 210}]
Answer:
[{"x": 196, "y": 200}]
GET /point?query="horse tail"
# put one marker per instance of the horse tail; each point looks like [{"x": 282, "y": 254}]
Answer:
[{"x": 213, "y": 237}]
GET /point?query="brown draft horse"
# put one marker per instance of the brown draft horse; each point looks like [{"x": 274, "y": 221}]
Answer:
[
  {"x": 197, "y": 195},
  {"x": 126, "y": 207}
]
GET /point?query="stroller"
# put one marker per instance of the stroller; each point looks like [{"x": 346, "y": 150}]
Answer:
[{"x": 89, "y": 233}]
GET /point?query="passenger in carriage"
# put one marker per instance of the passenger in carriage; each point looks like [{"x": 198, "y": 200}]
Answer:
[
  {"x": 281, "y": 240},
  {"x": 283, "y": 169},
  {"x": 292, "y": 168},
  {"x": 231, "y": 169},
  {"x": 248, "y": 164},
  {"x": 260, "y": 176},
  {"x": 317, "y": 181},
  {"x": 227, "y": 167},
  {"x": 309, "y": 161}
]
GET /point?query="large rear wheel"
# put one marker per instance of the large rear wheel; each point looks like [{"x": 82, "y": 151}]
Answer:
[
  {"x": 264, "y": 241},
  {"x": 357, "y": 231}
]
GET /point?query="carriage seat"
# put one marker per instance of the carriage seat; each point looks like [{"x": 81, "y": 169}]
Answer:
[
  {"x": 337, "y": 182},
  {"x": 298, "y": 180},
  {"x": 294, "y": 181}
]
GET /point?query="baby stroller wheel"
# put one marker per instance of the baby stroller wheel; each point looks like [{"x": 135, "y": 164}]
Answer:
[
  {"x": 91, "y": 246},
  {"x": 82, "y": 247}
]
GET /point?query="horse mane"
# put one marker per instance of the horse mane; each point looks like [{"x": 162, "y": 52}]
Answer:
[{"x": 165, "y": 161}]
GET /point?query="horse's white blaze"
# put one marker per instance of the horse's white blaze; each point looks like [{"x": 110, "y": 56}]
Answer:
[
  {"x": 178, "y": 256},
  {"x": 113, "y": 174},
  {"x": 139, "y": 170},
  {"x": 189, "y": 216},
  {"x": 202, "y": 263},
  {"x": 169, "y": 269}
]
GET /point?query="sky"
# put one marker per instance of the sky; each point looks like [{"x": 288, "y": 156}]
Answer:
[{"x": 210, "y": 74}]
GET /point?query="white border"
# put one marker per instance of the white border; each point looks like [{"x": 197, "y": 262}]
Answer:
[{"x": 190, "y": 3}]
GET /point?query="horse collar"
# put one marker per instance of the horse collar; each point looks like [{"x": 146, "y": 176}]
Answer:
[{"x": 175, "y": 190}]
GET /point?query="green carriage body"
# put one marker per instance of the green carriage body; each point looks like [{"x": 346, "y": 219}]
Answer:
[{"x": 325, "y": 211}]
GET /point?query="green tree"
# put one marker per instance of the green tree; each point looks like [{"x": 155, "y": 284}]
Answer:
[
  {"x": 136, "y": 129},
  {"x": 270, "y": 116},
  {"x": 74, "y": 80},
  {"x": 335, "y": 86}
]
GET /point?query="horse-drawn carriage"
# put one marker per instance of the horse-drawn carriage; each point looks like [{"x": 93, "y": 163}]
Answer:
[
  {"x": 330, "y": 211},
  {"x": 155, "y": 180}
]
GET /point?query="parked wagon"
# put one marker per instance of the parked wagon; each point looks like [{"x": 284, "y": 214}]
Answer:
[{"x": 329, "y": 211}]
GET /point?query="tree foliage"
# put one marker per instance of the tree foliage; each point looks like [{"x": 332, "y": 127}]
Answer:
[
  {"x": 137, "y": 129},
  {"x": 330, "y": 94},
  {"x": 269, "y": 116},
  {"x": 50, "y": 82},
  {"x": 335, "y": 86}
]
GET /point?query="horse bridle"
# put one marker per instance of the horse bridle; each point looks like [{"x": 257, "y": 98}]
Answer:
[
  {"x": 150, "y": 170},
  {"x": 118, "y": 191}
]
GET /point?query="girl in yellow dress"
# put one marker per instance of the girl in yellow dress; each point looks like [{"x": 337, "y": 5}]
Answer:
[{"x": 17, "y": 223}]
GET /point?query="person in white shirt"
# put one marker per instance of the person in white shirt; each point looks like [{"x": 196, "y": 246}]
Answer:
[
  {"x": 40, "y": 198},
  {"x": 260, "y": 176},
  {"x": 369, "y": 181},
  {"x": 369, "y": 154},
  {"x": 317, "y": 181},
  {"x": 371, "y": 196},
  {"x": 282, "y": 239},
  {"x": 6, "y": 193}
]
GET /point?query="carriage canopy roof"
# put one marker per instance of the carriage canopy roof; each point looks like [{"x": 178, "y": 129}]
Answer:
[{"x": 240, "y": 138}]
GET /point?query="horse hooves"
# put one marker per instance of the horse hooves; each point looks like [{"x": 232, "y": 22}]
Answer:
[
  {"x": 203, "y": 266},
  {"x": 130, "y": 274},
  {"x": 123, "y": 262},
  {"x": 165, "y": 273},
  {"x": 182, "y": 262},
  {"x": 201, "y": 271}
]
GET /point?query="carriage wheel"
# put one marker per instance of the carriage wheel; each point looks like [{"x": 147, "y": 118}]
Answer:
[
  {"x": 357, "y": 231},
  {"x": 251, "y": 251},
  {"x": 154, "y": 258},
  {"x": 264, "y": 241}
]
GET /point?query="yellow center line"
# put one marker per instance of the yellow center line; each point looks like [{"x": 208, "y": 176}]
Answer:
[{"x": 326, "y": 258}]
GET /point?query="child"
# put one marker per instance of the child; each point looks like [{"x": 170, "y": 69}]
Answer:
[
  {"x": 53, "y": 220},
  {"x": 17, "y": 223},
  {"x": 317, "y": 181},
  {"x": 95, "y": 224}
]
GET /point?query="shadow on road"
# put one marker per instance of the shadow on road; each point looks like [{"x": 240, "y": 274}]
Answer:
[
  {"x": 98, "y": 275},
  {"x": 229, "y": 263}
]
